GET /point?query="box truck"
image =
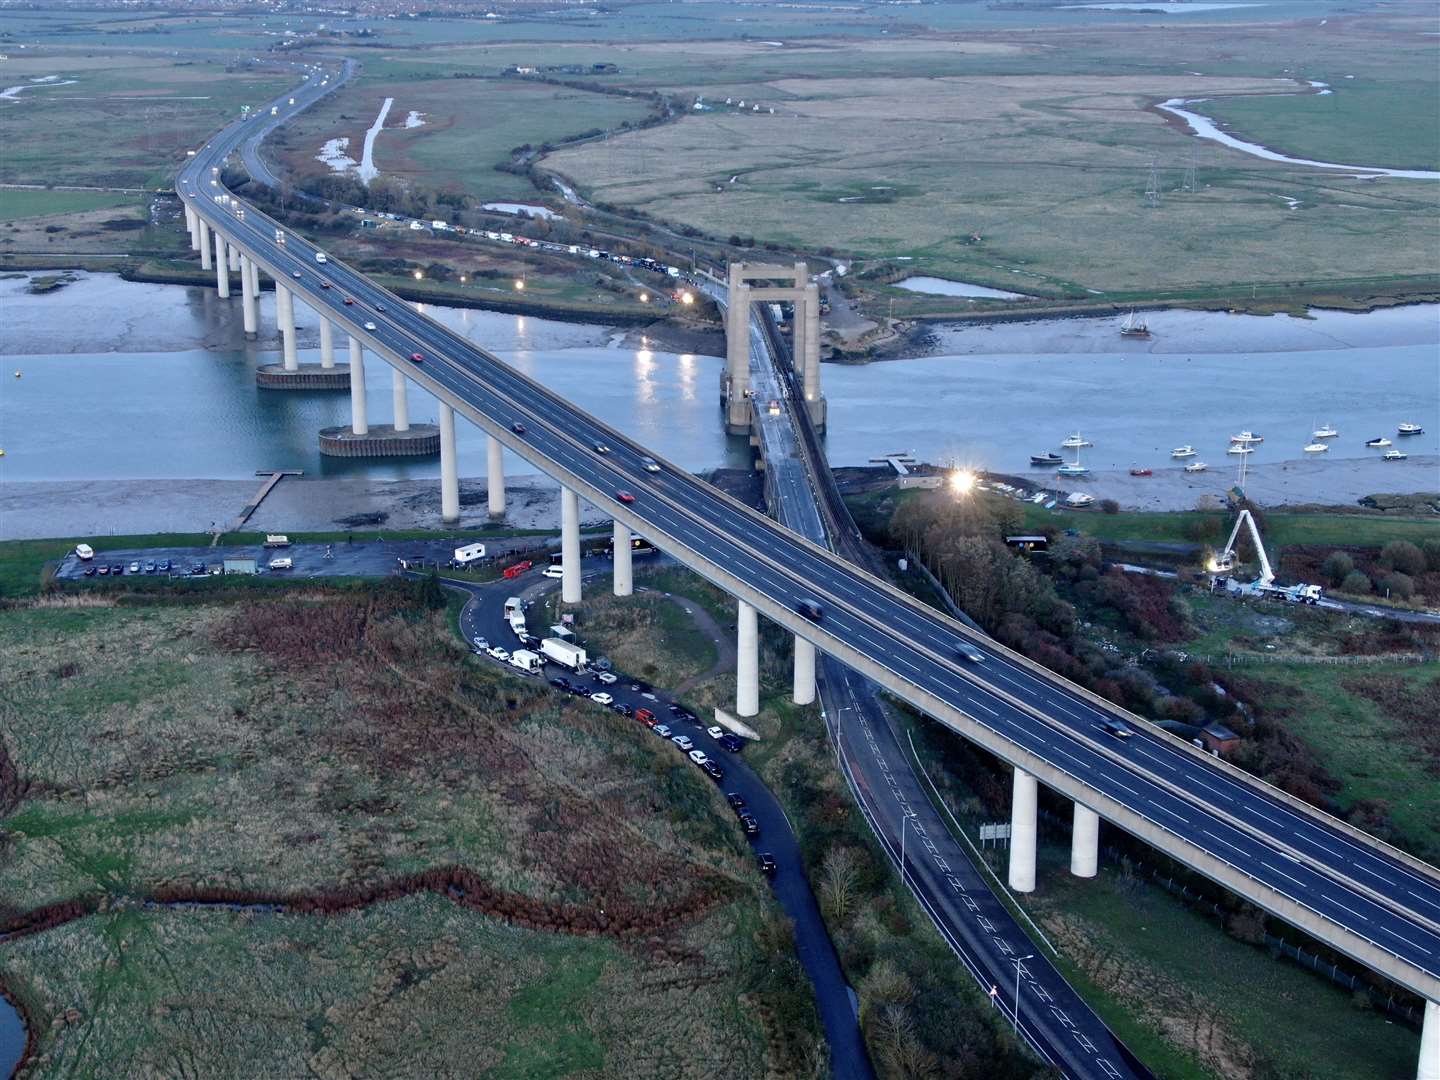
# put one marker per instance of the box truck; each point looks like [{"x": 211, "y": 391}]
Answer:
[
  {"x": 526, "y": 660},
  {"x": 564, "y": 653}
]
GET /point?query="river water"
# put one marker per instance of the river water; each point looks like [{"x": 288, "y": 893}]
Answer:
[{"x": 178, "y": 398}]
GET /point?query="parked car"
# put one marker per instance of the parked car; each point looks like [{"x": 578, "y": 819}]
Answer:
[
  {"x": 699, "y": 757},
  {"x": 735, "y": 799},
  {"x": 682, "y": 741},
  {"x": 645, "y": 716},
  {"x": 713, "y": 771},
  {"x": 149, "y": 566},
  {"x": 134, "y": 568},
  {"x": 606, "y": 677},
  {"x": 767, "y": 864},
  {"x": 750, "y": 825},
  {"x": 661, "y": 730},
  {"x": 498, "y": 653},
  {"x": 90, "y": 571},
  {"x": 602, "y": 698},
  {"x": 715, "y": 731},
  {"x": 560, "y": 684},
  {"x": 480, "y": 642},
  {"x": 731, "y": 742}
]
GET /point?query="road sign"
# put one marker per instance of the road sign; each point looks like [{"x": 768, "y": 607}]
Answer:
[{"x": 994, "y": 833}]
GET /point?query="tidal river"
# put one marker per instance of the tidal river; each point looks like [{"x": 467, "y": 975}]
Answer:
[{"x": 118, "y": 380}]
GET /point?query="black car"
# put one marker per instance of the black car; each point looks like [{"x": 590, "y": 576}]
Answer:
[
  {"x": 560, "y": 684},
  {"x": 733, "y": 743},
  {"x": 624, "y": 710},
  {"x": 750, "y": 825},
  {"x": 735, "y": 799},
  {"x": 116, "y": 569},
  {"x": 810, "y": 609},
  {"x": 167, "y": 566},
  {"x": 199, "y": 568},
  {"x": 519, "y": 429},
  {"x": 90, "y": 571},
  {"x": 767, "y": 864},
  {"x": 713, "y": 771},
  {"x": 674, "y": 709}
]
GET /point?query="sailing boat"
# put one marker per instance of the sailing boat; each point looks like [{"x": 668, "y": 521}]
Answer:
[{"x": 1133, "y": 327}]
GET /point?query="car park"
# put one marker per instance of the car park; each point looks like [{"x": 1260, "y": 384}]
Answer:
[
  {"x": 767, "y": 865},
  {"x": 602, "y": 698}
]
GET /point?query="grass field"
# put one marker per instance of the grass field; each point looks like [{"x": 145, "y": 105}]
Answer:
[
  {"x": 325, "y": 748},
  {"x": 648, "y": 636},
  {"x": 17, "y": 205},
  {"x": 122, "y": 122},
  {"x": 470, "y": 126}
]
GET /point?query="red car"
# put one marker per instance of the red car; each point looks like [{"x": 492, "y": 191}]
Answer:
[
  {"x": 625, "y": 496},
  {"x": 349, "y": 300},
  {"x": 417, "y": 358}
]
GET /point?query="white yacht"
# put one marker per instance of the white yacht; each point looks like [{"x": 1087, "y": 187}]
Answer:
[
  {"x": 1317, "y": 448},
  {"x": 1377, "y": 443},
  {"x": 1079, "y": 498},
  {"x": 1326, "y": 432},
  {"x": 1076, "y": 441},
  {"x": 1394, "y": 455},
  {"x": 1196, "y": 466},
  {"x": 1072, "y": 468},
  {"x": 1240, "y": 448},
  {"x": 1245, "y": 438},
  {"x": 1183, "y": 451},
  {"x": 1411, "y": 429}
]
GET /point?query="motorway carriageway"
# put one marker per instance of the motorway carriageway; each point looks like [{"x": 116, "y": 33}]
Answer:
[{"x": 1173, "y": 789}]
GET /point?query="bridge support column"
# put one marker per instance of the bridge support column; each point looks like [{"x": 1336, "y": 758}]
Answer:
[
  {"x": 400, "y": 404},
  {"x": 204, "y": 244},
  {"x": 747, "y": 662},
  {"x": 1430, "y": 1044},
  {"x": 254, "y": 282},
  {"x": 624, "y": 571},
  {"x": 327, "y": 343},
  {"x": 359, "y": 421},
  {"x": 569, "y": 546},
  {"x": 222, "y": 267},
  {"x": 234, "y": 257},
  {"x": 1085, "y": 842},
  {"x": 248, "y": 303},
  {"x": 285, "y": 320},
  {"x": 804, "y": 692},
  {"x": 495, "y": 476},
  {"x": 191, "y": 218},
  {"x": 449, "y": 467},
  {"x": 1022, "y": 833}
]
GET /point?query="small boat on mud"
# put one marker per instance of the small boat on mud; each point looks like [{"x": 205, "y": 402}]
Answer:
[
  {"x": 1246, "y": 438},
  {"x": 1183, "y": 451},
  {"x": 1076, "y": 441},
  {"x": 1047, "y": 458},
  {"x": 1134, "y": 328},
  {"x": 1196, "y": 466},
  {"x": 1317, "y": 448},
  {"x": 1142, "y": 472}
]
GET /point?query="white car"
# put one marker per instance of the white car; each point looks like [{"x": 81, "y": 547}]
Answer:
[
  {"x": 699, "y": 757},
  {"x": 480, "y": 643},
  {"x": 607, "y": 677},
  {"x": 714, "y": 732},
  {"x": 499, "y": 654},
  {"x": 370, "y": 326},
  {"x": 682, "y": 741},
  {"x": 602, "y": 698}
]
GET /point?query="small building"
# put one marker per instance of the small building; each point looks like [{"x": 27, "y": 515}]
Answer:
[
  {"x": 240, "y": 566},
  {"x": 1219, "y": 739},
  {"x": 1028, "y": 543}
]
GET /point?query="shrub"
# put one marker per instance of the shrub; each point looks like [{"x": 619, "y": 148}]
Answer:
[
  {"x": 1431, "y": 548},
  {"x": 1403, "y": 556},
  {"x": 1109, "y": 506},
  {"x": 1337, "y": 567},
  {"x": 1399, "y": 585},
  {"x": 1355, "y": 582}
]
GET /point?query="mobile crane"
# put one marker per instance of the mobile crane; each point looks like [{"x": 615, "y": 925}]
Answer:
[{"x": 1264, "y": 586}]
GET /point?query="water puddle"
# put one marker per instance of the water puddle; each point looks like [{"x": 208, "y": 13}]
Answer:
[
  {"x": 12, "y": 1037},
  {"x": 945, "y": 287}
]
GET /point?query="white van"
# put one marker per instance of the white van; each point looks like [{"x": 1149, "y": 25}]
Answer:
[
  {"x": 282, "y": 564},
  {"x": 84, "y": 551}
]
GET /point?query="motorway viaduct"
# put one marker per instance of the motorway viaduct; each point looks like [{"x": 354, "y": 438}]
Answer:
[{"x": 1371, "y": 902}]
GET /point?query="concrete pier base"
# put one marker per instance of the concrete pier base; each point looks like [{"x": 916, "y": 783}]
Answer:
[
  {"x": 381, "y": 440},
  {"x": 1085, "y": 843},
  {"x": 495, "y": 476},
  {"x": 1430, "y": 1044},
  {"x": 570, "y": 546},
  {"x": 624, "y": 573},
  {"x": 1022, "y": 833},
  {"x": 302, "y": 377},
  {"x": 747, "y": 661},
  {"x": 449, "y": 468},
  {"x": 804, "y": 688}
]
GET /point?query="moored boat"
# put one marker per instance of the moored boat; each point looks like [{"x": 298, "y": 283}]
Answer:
[
  {"x": 1183, "y": 451},
  {"x": 1326, "y": 431},
  {"x": 1394, "y": 455},
  {"x": 1240, "y": 448},
  {"x": 1047, "y": 458},
  {"x": 1377, "y": 443},
  {"x": 1142, "y": 472},
  {"x": 1317, "y": 448},
  {"x": 1073, "y": 468},
  {"x": 1411, "y": 429},
  {"x": 1245, "y": 438},
  {"x": 1196, "y": 466},
  {"x": 1076, "y": 441}
]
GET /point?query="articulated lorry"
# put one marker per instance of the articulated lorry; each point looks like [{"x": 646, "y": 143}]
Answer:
[{"x": 564, "y": 653}]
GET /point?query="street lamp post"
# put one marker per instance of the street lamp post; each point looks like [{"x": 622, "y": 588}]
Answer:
[
  {"x": 909, "y": 815},
  {"x": 1017, "y": 964}
]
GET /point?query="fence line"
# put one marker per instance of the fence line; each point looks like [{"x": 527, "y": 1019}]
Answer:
[{"x": 1230, "y": 659}]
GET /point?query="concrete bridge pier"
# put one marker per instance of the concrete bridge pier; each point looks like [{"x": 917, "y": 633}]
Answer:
[
  {"x": 190, "y": 219},
  {"x": 495, "y": 476},
  {"x": 204, "y": 245},
  {"x": 222, "y": 267},
  {"x": 234, "y": 257},
  {"x": 359, "y": 420},
  {"x": 623, "y": 567},
  {"x": 569, "y": 546},
  {"x": 254, "y": 281},
  {"x": 1085, "y": 842},
  {"x": 747, "y": 662},
  {"x": 327, "y": 343},
  {"x": 400, "y": 406},
  {"x": 1022, "y": 833},
  {"x": 804, "y": 691},
  {"x": 285, "y": 318},
  {"x": 449, "y": 467},
  {"x": 248, "y": 301},
  {"x": 1430, "y": 1044}
]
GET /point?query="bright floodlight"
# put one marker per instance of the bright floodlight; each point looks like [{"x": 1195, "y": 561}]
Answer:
[
  {"x": 419, "y": 274},
  {"x": 962, "y": 481},
  {"x": 644, "y": 297},
  {"x": 520, "y": 284},
  {"x": 687, "y": 298}
]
